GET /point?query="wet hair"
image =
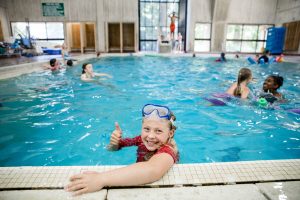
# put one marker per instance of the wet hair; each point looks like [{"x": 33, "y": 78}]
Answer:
[
  {"x": 171, "y": 121},
  {"x": 266, "y": 52},
  {"x": 52, "y": 62},
  {"x": 70, "y": 63},
  {"x": 223, "y": 56},
  {"x": 278, "y": 80},
  {"x": 84, "y": 67},
  {"x": 243, "y": 75}
]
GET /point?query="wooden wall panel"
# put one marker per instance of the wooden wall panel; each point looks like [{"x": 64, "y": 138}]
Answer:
[
  {"x": 292, "y": 36},
  {"x": 128, "y": 37},
  {"x": 114, "y": 43},
  {"x": 76, "y": 44},
  {"x": 90, "y": 35}
]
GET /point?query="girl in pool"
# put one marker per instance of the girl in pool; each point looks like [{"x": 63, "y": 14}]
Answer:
[
  {"x": 240, "y": 88},
  {"x": 156, "y": 154},
  {"x": 88, "y": 74},
  {"x": 270, "y": 86}
]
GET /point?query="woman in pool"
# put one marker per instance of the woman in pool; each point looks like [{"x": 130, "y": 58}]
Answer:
[
  {"x": 271, "y": 85},
  {"x": 88, "y": 74},
  {"x": 156, "y": 154},
  {"x": 240, "y": 88}
]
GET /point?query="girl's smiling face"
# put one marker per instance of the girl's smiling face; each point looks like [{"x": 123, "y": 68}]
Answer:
[
  {"x": 155, "y": 133},
  {"x": 269, "y": 85}
]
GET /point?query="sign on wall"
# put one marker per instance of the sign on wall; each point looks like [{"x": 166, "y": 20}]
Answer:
[{"x": 53, "y": 9}]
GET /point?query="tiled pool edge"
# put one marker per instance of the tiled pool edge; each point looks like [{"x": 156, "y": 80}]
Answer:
[{"x": 12, "y": 178}]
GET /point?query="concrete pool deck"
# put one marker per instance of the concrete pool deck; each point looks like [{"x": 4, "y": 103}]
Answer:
[{"x": 268, "y": 179}]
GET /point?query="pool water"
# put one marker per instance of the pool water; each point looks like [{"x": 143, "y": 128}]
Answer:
[{"x": 56, "y": 119}]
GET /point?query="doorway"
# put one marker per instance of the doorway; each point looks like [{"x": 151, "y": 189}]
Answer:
[
  {"x": 128, "y": 37},
  {"x": 89, "y": 37},
  {"x": 114, "y": 37},
  {"x": 292, "y": 36},
  {"x": 81, "y": 37},
  {"x": 76, "y": 37}
]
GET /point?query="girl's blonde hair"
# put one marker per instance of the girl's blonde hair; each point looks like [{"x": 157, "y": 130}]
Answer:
[
  {"x": 173, "y": 127},
  {"x": 243, "y": 75}
]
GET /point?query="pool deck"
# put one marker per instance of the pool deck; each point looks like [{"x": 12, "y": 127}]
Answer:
[{"x": 268, "y": 179}]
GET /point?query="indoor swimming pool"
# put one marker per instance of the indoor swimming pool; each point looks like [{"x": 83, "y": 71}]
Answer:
[{"x": 55, "y": 119}]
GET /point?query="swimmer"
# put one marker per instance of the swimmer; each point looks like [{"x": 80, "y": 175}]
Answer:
[
  {"x": 270, "y": 86},
  {"x": 54, "y": 65},
  {"x": 240, "y": 88},
  {"x": 264, "y": 58},
  {"x": 88, "y": 74},
  {"x": 222, "y": 58},
  {"x": 70, "y": 63},
  {"x": 156, "y": 153}
]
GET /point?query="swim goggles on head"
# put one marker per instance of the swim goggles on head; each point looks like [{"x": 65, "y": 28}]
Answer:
[{"x": 161, "y": 111}]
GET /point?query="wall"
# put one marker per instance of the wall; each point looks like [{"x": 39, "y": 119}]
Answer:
[
  {"x": 222, "y": 12},
  {"x": 218, "y": 12},
  {"x": 287, "y": 11},
  {"x": 115, "y": 11},
  {"x": 96, "y": 11},
  {"x": 198, "y": 11}
]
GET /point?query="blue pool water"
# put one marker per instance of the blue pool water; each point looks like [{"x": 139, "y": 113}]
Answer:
[{"x": 55, "y": 119}]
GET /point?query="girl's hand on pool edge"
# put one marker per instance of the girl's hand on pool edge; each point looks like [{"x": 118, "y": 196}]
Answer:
[{"x": 85, "y": 183}]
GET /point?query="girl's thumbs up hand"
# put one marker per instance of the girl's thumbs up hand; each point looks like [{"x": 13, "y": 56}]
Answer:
[{"x": 115, "y": 137}]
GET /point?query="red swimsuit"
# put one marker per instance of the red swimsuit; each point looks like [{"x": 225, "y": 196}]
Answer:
[
  {"x": 143, "y": 154},
  {"x": 172, "y": 27}
]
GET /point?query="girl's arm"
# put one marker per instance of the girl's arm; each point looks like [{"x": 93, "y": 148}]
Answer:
[
  {"x": 135, "y": 174},
  {"x": 103, "y": 74}
]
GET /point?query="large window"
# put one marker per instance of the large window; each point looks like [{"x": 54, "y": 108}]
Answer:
[
  {"x": 154, "y": 20},
  {"x": 246, "y": 38},
  {"x": 46, "y": 31},
  {"x": 202, "y": 37}
]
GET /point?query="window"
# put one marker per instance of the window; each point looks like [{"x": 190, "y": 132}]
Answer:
[
  {"x": 154, "y": 20},
  {"x": 246, "y": 38},
  {"x": 47, "y": 31},
  {"x": 202, "y": 37}
]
